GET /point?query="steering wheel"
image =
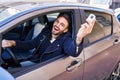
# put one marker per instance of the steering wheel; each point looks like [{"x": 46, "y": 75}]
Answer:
[{"x": 13, "y": 56}]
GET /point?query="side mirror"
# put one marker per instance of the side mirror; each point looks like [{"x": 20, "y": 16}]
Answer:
[{"x": 4, "y": 75}]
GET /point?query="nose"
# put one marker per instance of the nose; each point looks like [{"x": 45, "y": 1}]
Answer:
[{"x": 58, "y": 24}]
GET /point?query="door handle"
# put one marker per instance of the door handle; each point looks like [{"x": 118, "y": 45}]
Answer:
[{"x": 74, "y": 64}]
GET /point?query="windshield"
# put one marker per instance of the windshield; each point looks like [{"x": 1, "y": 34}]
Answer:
[{"x": 7, "y": 12}]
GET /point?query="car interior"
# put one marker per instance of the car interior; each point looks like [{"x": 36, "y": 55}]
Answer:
[{"x": 28, "y": 30}]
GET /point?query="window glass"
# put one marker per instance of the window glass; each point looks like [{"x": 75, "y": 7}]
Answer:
[
  {"x": 4, "y": 13},
  {"x": 102, "y": 27}
]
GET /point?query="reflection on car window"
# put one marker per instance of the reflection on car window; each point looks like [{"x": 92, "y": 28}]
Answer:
[
  {"x": 28, "y": 30},
  {"x": 7, "y": 12},
  {"x": 102, "y": 27},
  {"x": 101, "y": 19}
]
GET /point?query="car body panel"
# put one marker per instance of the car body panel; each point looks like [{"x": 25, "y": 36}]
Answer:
[
  {"x": 99, "y": 65},
  {"x": 45, "y": 73}
]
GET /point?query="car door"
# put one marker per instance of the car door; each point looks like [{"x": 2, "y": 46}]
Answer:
[
  {"x": 48, "y": 69},
  {"x": 102, "y": 49},
  {"x": 61, "y": 63}
]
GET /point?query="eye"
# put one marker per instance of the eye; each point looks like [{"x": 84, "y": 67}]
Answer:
[{"x": 62, "y": 24}]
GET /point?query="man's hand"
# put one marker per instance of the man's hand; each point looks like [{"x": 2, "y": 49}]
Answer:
[
  {"x": 86, "y": 28},
  {"x": 8, "y": 43}
]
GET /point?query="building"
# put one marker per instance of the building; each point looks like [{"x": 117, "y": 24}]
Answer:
[{"x": 115, "y": 4}]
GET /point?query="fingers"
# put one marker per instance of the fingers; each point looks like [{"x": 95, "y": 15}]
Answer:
[
  {"x": 6, "y": 43},
  {"x": 89, "y": 24},
  {"x": 86, "y": 28}
]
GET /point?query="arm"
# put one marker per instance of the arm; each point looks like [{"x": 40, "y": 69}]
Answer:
[
  {"x": 25, "y": 45},
  {"x": 74, "y": 47},
  {"x": 29, "y": 44}
]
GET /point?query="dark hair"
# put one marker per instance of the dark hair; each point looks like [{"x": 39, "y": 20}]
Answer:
[{"x": 66, "y": 15}]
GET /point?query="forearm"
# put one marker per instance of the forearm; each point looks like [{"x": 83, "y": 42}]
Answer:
[
  {"x": 29, "y": 44},
  {"x": 24, "y": 45},
  {"x": 8, "y": 43}
]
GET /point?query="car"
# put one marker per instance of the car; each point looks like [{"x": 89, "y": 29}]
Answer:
[
  {"x": 99, "y": 59},
  {"x": 117, "y": 14}
]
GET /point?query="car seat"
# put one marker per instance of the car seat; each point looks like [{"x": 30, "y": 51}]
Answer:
[{"x": 39, "y": 23}]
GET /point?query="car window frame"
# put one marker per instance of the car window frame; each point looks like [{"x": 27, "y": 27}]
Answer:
[
  {"x": 44, "y": 63},
  {"x": 87, "y": 43}
]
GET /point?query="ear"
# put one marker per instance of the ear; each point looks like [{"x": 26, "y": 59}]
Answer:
[{"x": 65, "y": 30}]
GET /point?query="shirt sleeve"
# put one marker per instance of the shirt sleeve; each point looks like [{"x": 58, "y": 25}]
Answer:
[
  {"x": 29, "y": 44},
  {"x": 34, "y": 43}
]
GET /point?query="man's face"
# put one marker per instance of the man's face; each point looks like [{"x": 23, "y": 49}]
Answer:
[{"x": 60, "y": 26}]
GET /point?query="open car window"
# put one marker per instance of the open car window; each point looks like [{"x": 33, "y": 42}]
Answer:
[{"x": 28, "y": 30}]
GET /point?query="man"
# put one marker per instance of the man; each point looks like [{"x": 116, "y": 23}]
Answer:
[{"x": 51, "y": 43}]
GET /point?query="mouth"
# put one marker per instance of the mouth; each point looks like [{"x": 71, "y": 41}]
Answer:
[{"x": 56, "y": 28}]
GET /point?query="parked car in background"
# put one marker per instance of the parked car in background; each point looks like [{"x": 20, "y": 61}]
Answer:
[
  {"x": 117, "y": 14},
  {"x": 99, "y": 60}
]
